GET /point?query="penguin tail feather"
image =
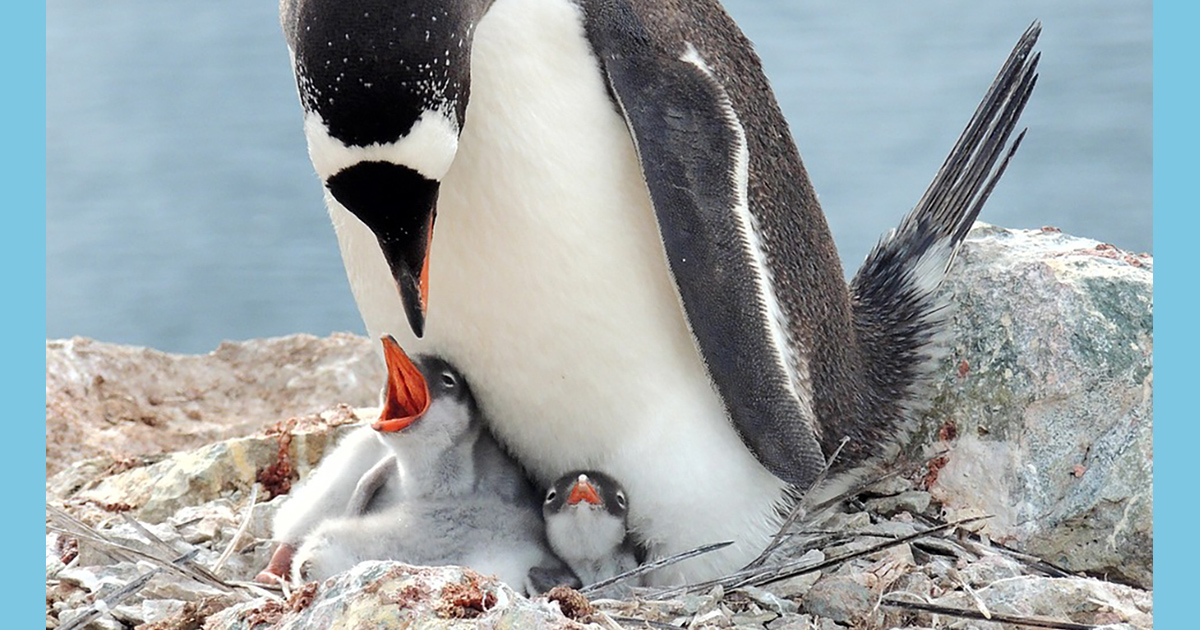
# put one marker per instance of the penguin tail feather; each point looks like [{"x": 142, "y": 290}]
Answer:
[{"x": 896, "y": 311}]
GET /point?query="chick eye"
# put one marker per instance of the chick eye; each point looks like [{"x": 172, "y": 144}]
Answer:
[
  {"x": 550, "y": 495},
  {"x": 448, "y": 379},
  {"x": 620, "y": 499}
]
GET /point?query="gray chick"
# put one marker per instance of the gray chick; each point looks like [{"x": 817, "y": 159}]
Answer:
[
  {"x": 446, "y": 493},
  {"x": 322, "y": 495}
]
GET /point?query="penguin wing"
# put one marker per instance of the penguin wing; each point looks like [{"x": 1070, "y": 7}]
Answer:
[{"x": 693, "y": 153}]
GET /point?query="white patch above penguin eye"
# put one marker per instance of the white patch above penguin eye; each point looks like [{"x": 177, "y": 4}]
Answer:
[
  {"x": 428, "y": 148},
  {"x": 551, "y": 494}
]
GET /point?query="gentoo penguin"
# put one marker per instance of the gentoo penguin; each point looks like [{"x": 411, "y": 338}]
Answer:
[
  {"x": 324, "y": 494},
  {"x": 585, "y": 514},
  {"x": 595, "y": 210},
  {"x": 460, "y": 499},
  {"x": 448, "y": 453}
]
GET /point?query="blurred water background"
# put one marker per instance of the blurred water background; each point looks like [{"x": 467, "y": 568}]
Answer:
[{"x": 181, "y": 208}]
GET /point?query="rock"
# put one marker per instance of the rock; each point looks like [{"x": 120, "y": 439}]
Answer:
[
  {"x": 840, "y": 599},
  {"x": 156, "y": 491},
  {"x": 805, "y": 622},
  {"x": 891, "y": 529},
  {"x": 988, "y": 569},
  {"x": 1080, "y": 600},
  {"x": 125, "y": 401},
  {"x": 1045, "y": 405},
  {"x": 189, "y": 616},
  {"x": 769, "y": 600},
  {"x": 700, "y": 605},
  {"x": 914, "y": 501},
  {"x": 796, "y": 587},
  {"x": 757, "y": 619},
  {"x": 393, "y": 595}
]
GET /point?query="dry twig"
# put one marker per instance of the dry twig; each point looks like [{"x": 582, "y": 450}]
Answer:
[
  {"x": 967, "y": 613},
  {"x": 241, "y": 531},
  {"x": 651, "y": 566}
]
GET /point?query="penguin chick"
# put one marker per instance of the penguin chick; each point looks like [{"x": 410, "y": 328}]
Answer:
[
  {"x": 323, "y": 494},
  {"x": 585, "y": 514},
  {"x": 433, "y": 427},
  {"x": 462, "y": 500},
  {"x": 361, "y": 475},
  {"x": 477, "y": 530}
]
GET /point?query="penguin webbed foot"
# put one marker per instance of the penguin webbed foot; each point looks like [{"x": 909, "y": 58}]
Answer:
[
  {"x": 279, "y": 566},
  {"x": 541, "y": 579}
]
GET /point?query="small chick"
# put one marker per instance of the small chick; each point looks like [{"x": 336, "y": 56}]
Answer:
[
  {"x": 322, "y": 495},
  {"x": 459, "y": 499},
  {"x": 585, "y": 514}
]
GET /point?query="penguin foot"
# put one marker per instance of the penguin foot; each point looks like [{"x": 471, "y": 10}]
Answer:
[
  {"x": 542, "y": 579},
  {"x": 279, "y": 567}
]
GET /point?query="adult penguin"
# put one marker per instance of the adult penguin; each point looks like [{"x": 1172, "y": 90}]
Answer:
[{"x": 595, "y": 209}]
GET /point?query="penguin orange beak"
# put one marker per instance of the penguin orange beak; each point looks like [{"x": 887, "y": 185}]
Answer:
[
  {"x": 583, "y": 491},
  {"x": 407, "y": 396}
]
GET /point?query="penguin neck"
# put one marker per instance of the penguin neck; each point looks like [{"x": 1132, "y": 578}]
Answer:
[
  {"x": 429, "y": 471},
  {"x": 591, "y": 541}
]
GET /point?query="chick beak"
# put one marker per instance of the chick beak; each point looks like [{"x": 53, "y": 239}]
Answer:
[
  {"x": 407, "y": 397},
  {"x": 583, "y": 491}
]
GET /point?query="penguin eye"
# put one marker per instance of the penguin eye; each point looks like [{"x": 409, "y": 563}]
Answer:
[
  {"x": 620, "y": 499},
  {"x": 550, "y": 495},
  {"x": 448, "y": 379}
]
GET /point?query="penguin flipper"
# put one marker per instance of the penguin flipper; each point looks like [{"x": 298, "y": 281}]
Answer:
[
  {"x": 693, "y": 153},
  {"x": 370, "y": 484},
  {"x": 323, "y": 493}
]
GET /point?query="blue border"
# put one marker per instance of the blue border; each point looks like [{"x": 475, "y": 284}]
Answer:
[
  {"x": 23, "y": 257},
  {"x": 1176, "y": 439}
]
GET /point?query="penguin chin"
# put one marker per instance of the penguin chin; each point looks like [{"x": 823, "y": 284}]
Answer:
[{"x": 585, "y": 535}]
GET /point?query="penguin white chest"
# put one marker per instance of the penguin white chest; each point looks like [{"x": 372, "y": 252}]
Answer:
[{"x": 549, "y": 288}]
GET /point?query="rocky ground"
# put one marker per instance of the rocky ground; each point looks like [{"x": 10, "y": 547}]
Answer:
[{"x": 163, "y": 473}]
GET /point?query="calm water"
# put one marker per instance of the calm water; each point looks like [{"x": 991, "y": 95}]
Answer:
[{"x": 182, "y": 209}]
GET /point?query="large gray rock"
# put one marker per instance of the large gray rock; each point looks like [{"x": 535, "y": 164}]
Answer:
[
  {"x": 1078, "y": 600},
  {"x": 154, "y": 492},
  {"x": 1045, "y": 403},
  {"x": 124, "y": 401}
]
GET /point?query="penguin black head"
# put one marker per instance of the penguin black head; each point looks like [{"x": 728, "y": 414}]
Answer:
[
  {"x": 427, "y": 403},
  {"x": 384, "y": 85},
  {"x": 586, "y": 490},
  {"x": 585, "y": 514}
]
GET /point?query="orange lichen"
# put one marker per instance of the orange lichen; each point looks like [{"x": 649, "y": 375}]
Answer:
[
  {"x": 935, "y": 466},
  {"x": 571, "y": 602},
  {"x": 465, "y": 600},
  {"x": 277, "y": 477},
  {"x": 302, "y": 597}
]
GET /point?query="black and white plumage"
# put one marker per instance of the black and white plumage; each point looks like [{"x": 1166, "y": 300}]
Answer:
[
  {"x": 586, "y": 525},
  {"x": 594, "y": 209}
]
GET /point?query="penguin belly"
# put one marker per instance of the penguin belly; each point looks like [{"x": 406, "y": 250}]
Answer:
[{"x": 549, "y": 288}]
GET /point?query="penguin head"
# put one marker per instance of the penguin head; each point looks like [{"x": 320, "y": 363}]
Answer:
[
  {"x": 585, "y": 514},
  {"x": 427, "y": 403},
  {"x": 384, "y": 85}
]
